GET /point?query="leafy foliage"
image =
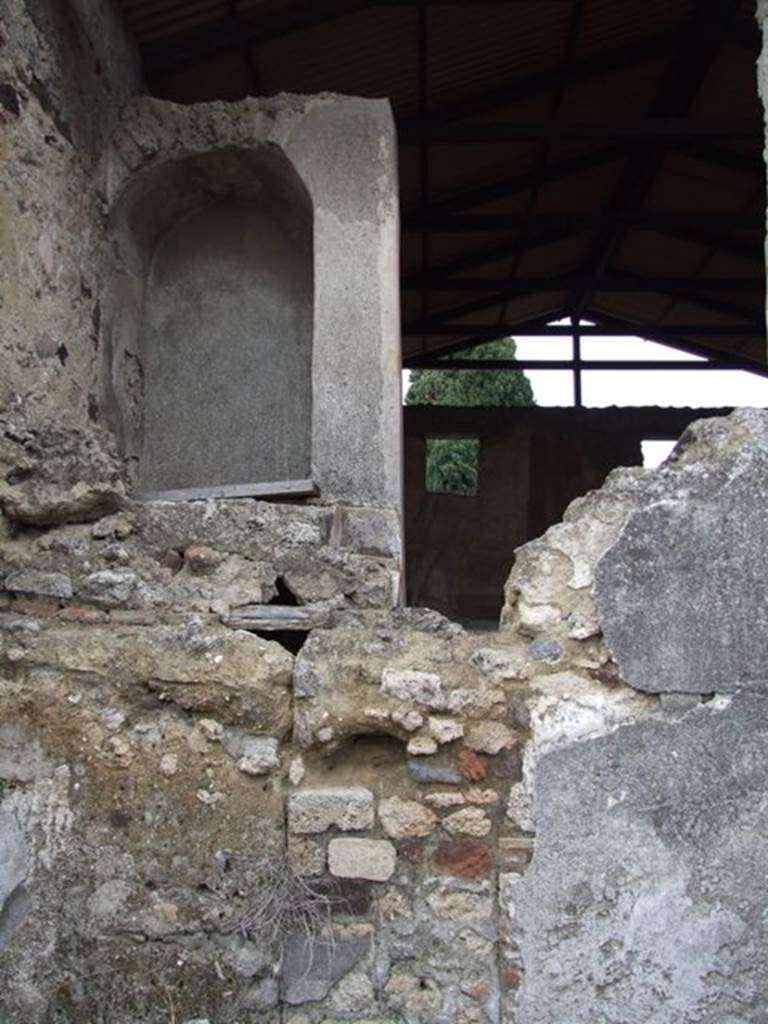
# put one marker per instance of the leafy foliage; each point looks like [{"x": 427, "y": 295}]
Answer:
[{"x": 452, "y": 464}]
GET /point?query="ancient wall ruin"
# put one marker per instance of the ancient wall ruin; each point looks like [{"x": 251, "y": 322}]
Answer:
[
  {"x": 520, "y": 827},
  {"x": 240, "y": 783},
  {"x": 65, "y": 74}
]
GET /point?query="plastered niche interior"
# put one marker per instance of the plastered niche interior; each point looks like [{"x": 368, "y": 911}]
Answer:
[
  {"x": 250, "y": 329},
  {"x": 212, "y": 360}
]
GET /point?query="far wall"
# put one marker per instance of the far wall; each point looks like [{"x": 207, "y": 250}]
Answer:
[{"x": 533, "y": 463}]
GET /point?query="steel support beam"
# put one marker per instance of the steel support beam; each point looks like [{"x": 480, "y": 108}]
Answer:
[
  {"x": 574, "y": 365},
  {"x": 652, "y": 220},
  {"x": 556, "y": 282},
  {"x": 638, "y": 131},
  {"x": 502, "y": 330},
  {"x": 675, "y": 96}
]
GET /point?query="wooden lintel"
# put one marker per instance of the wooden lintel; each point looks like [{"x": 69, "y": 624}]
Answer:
[
  {"x": 276, "y": 489},
  {"x": 268, "y": 618}
]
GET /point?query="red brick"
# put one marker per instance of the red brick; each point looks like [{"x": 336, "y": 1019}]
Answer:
[
  {"x": 471, "y": 766},
  {"x": 465, "y": 858},
  {"x": 41, "y": 609},
  {"x": 86, "y": 616}
]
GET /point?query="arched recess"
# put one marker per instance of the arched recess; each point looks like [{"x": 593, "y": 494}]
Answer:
[{"x": 207, "y": 361}]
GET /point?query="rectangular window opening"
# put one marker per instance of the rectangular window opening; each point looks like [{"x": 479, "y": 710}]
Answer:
[{"x": 452, "y": 466}]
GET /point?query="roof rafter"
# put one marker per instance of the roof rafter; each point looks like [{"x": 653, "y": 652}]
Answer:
[
  {"x": 495, "y": 223},
  {"x": 618, "y": 327},
  {"x": 691, "y": 60},
  {"x": 615, "y": 283},
  {"x": 630, "y": 130},
  {"x": 494, "y": 331}
]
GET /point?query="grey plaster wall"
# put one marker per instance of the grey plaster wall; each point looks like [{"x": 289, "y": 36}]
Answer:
[
  {"x": 644, "y": 901},
  {"x": 682, "y": 594},
  {"x": 227, "y": 349},
  {"x": 342, "y": 150}
]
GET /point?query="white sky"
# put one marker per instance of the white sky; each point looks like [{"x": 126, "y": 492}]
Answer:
[{"x": 601, "y": 388}]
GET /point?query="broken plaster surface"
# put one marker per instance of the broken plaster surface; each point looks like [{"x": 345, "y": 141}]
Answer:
[
  {"x": 682, "y": 594},
  {"x": 643, "y": 900}
]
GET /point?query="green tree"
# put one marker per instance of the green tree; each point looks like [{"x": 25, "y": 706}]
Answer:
[{"x": 452, "y": 464}]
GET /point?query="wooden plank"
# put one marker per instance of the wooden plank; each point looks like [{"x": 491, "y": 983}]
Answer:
[
  {"x": 261, "y": 618},
  {"x": 277, "y": 489}
]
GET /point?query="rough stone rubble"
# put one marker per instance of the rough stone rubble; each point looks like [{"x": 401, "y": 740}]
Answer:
[{"x": 520, "y": 827}]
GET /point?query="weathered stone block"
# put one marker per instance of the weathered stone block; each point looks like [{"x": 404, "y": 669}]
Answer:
[
  {"x": 64, "y": 475},
  {"x": 469, "y": 821},
  {"x": 312, "y": 965},
  {"x": 514, "y": 852},
  {"x": 260, "y": 756},
  {"x": 41, "y": 584},
  {"x": 653, "y": 908},
  {"x": 316, "y": 810},
  {"x": 426, "y": 774},
  {"x": 370, "y": 859},
  {"x": 409, "y": 685},
  {"x": 490, "y": 737},
  {"x": 403, "y": 819},
  {"x": 682, "y": 594},
  {"x": 454, "y": 905},
  {"x": 232, "y": 676},
  {"x": 445, "y": 730},
  {"x": 14, "y": 901},
  {"x": 421, "y": 746}
]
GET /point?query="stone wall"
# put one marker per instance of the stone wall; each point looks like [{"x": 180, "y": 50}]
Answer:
[
  {"x": 65, "y": 72},
  {"x": 643, "y": 779},
  {"x": 372, "y": 814},
  {"x": 238, "y": 783}
]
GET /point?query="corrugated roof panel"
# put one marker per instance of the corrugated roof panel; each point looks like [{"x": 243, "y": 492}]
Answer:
[
  {"x": 470, "y": 46},
  {"x": 347, "y": 55},
  {"x": 169, "y": 17},
  {"x": 480, "y": 57},
  {"x": 609, "y": 24}
]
